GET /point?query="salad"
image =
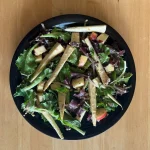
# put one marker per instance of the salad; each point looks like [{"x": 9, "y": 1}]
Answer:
[{"x": 70, "y": 74}]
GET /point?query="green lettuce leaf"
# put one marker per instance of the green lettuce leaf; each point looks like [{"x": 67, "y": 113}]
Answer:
[
  {"x": 87, "y": 65},
  {"x": 29, "y": 101},
  {"x": 62, "y": 89},
  {"x": 120, "y": 68},
  {"x": 104, "y": 56},
  {"x": 26, "y": 62},
  {"x": 74, "y": 58},
  {"x": 107, "y": 103},
  {"x": 70, "y": 120},
  {"x": 50, "y": 103},
  {"x": 58, "y": 33},
  {"x": 105, "y": 91},
  {"x": 72, "y": 123},
  {"x": 25, "y": 85},
  {"x": 65, "y": 72}
]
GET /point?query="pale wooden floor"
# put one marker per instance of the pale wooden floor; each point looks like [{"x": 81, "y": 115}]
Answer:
[{"x": 130, "y": 18}]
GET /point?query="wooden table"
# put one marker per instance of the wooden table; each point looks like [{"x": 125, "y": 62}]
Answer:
[{"x": 130, "y": 18}]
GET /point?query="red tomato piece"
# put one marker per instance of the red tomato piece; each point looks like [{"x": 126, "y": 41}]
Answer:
[{"x": 93, "y": 36}]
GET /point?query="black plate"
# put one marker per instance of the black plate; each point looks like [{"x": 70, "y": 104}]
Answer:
[{"x": 15, "y": 79}]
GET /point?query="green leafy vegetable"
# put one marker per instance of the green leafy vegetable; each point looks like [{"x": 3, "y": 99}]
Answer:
[
  {"x": 107, "y": 103},
  {"x": 62, "y": 89},
  {"x": 50, "y": 103},
  {"x": 76, "y": 70},
  {"x": 72, "y": 123},
  {"x": 70, "y": 120},
  {"x": 26, "y": 62},
  {"x": 29, "y": 101},
  {"x": 113, "y": 75},
  {"x": 87, "y": 65},
  {"x": 56, "y": 30},
  {"x": 125, "y": 78},
  {"x": 74, "y": 58},
  {"x": 24, "y": 87},
  {"x": 104, "y": 56},
  {"x": 65, "y": 36},
  {"x": 120, "y": 68},
  {"x": 65, "y": 72},
  {"x": 104, "y": 91},
  {"x": 91, "y": 52}
]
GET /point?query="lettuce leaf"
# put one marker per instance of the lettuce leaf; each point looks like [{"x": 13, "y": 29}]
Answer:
[
  {"x": 120, "y": 68},
  {"x": 105, "y": 91},
  {"x": 65, "y": 36},
  {"x": 107, "y": 103},
  {"x": 104, "y": 56},
  {"x": 73, "y": 59},
  {"x": 26, "y": 62},
  {"x": 29, "y": 101},
  {"x": 25, "y": 85},
  {"x": 65, "y": 72},
  {"x": 62, "y": 89}
]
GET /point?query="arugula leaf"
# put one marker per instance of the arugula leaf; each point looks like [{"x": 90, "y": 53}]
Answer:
[
  {"x": 125, "y": 78},
  {"x": 103, "y": 101},
  {"x": 104, "y": 56},
  {"x": 26, "y": 63},
  {"x": 107, "y": 103},
  {"x": 120, "y": 68},
  {"x": 74, "y": 57},
  {"x": 65, "y": 72},
  {"x": 105, "y": 91},
  {"x": 65, "y": 36}
]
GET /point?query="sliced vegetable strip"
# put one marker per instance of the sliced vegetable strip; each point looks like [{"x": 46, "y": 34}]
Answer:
[
  {"x": 61, "y": 102},
  {"x": 99, "y": 68},
  {"x": 68, "y": 51},
  {"x": 92, "y": 94},
  {"x": 53, "y": 123},
  {"x": 96, "y": 28},
  {"x": 113, "y": 99},
  {"x": 57, "y": 49}
]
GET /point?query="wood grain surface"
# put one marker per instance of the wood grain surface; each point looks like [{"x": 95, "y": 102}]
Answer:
[{"x": 130, "y": 18}]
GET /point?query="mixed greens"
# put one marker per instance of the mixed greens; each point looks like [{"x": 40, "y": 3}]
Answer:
[{"x": 72, "y": 74}]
